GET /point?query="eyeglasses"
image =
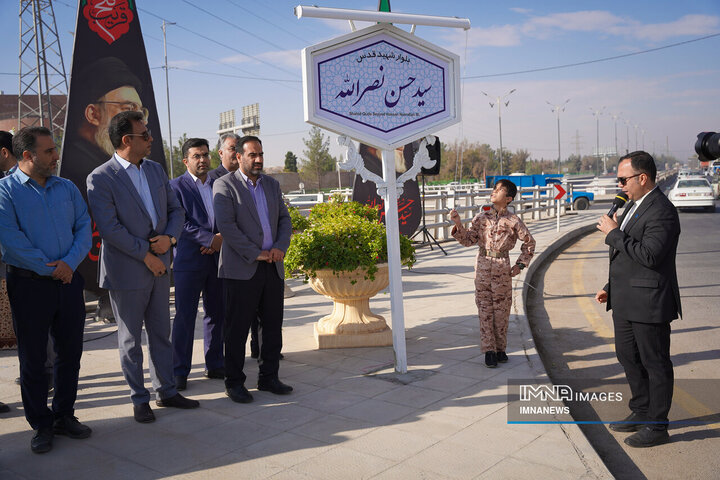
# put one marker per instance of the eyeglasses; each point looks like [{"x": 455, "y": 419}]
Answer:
[
  {"x": 145, "y": 135},
  {"x": 198, "y": 156},
  {"x": 623, "y": 180},
  {"x": 128, "y": 106}
]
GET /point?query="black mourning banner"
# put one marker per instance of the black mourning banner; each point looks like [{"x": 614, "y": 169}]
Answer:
[
  {"x": 409, "y": 208},
  {"x": 109, "y": 74}
]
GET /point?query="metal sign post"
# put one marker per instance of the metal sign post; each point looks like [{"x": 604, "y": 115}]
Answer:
[
  {"x": 386, "y": 88},
  {"x": 558, "y": 198}
]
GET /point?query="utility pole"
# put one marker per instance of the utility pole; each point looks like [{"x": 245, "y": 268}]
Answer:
[
  {"x": 42, "y": 71},
  {"x": 636, "y": 136},
  {"x": 499, "y": 101},
  {"x": 627, "y": 136},
  {"x": 577, "y": 142},
  {"x": 557, "y": 109},
  {"x": 167, "y": 91}
]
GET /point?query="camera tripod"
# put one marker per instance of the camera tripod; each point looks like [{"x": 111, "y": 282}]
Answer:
[{"x": 427, "y": 237}]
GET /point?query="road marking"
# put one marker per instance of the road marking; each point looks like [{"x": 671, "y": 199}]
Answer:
[{"x": 686, "y": 401}]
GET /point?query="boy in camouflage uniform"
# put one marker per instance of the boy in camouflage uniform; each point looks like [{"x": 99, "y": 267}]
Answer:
[{"x": 495, "y": 231}]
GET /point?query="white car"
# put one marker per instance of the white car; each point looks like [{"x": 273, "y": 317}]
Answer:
[{"x": 692, "y": 192}]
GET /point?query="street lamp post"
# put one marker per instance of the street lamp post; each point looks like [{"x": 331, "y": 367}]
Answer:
[
  {"x": 557, "y": 109},
  {"x": 615, "y": 117},
  {"x": 167, "y": 91},
  {"x": 627, "y": 136},
  {"x": 597, "y": 114},
  {"x": 498, "y": 102},
  {"x": 636, "y": 136}
]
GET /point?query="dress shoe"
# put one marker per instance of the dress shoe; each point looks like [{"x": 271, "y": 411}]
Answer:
[
  {"x": 42, "y": 441},
  {"x": 239, "y": 394},
  {"x": 180, "y": 383},
  {"x": 502, "y": 357},
  {"x": 70, "y": 427},
  {"x": 177, "y": 401},
  {"x": 4, "y": 408},
  {"x": 647, "y": 437},
  {"x": 491, "y": 359},
  {"x": 275, "y": 386},
  {"x": 217, "y": 373},
  {"x": 631, "y": 423},
  {"x": 143, "y": 413}
]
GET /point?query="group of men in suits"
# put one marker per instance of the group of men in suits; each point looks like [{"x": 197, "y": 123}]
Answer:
[{"x": 230, "y": 233}]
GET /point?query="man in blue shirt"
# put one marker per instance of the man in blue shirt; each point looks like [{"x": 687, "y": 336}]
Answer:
[{"x": 44, "y": 234}]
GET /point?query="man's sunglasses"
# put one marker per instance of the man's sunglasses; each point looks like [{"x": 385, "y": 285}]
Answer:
[
  {"x": 623, "y": 180},
  {"x": 146, "y": 136}
]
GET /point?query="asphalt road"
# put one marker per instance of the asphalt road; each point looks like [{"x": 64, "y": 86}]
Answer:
[{"x": 575, "y": 339}]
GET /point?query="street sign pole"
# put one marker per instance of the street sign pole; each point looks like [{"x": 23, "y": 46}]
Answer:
[
  {"x": 394, "y": 261},
  {"x": 383, "y": 87},
  {"x": 561, "y": 193}
]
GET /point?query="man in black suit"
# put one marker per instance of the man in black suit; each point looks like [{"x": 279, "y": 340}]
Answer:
[{"x": 644, "y": 296}]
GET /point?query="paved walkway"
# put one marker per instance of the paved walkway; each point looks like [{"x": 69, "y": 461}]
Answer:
[{"x": 349, "y": 416}]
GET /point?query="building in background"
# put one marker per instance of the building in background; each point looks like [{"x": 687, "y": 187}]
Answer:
[{"x": 249, "y": 123}]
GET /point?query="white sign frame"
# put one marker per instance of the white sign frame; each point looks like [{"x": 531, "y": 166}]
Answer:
[{"x": 404, "y": 134}]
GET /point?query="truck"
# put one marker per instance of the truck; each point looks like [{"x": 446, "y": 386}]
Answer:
[{"x": 579, "y": 200}]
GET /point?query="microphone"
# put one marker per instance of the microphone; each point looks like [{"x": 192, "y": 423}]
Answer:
[{"x": 618, "y": 202}]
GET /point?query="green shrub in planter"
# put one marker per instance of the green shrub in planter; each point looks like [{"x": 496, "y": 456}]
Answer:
[{"x": 343, "y": 236}]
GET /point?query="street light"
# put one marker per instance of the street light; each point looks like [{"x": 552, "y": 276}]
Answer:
[
  {"x": 636, "y": 142},
  {"x": 557, "y": 109},
  {"x": 597, "y": 113},
  {"x": 167, "y": 91},
  {"x": 627, "y": 136},
  {"x": 499, "y": 101},
  {"x": 615, "y": 117}
]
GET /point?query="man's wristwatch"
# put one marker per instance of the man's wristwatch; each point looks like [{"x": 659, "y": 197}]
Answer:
[
  {"x": 173, "y": 240},
  {"x": 521, "y": 265}
]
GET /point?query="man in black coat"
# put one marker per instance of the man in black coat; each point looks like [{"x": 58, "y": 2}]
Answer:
[{"x": 644, "y": 296}]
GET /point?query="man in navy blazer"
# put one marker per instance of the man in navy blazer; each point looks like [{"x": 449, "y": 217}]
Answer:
[
  {"x": 196, "y": 267},
  {"x": 138, "y": 217},
  {"x": 644, "y": 296},
  {"x": 255, "y": 225}
]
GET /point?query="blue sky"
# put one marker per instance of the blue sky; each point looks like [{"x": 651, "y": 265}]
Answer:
[{"x": 671, "y": 94}]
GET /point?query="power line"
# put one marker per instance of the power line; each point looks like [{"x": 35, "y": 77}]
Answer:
[
  {"x": 220, "y": 43},
  {"x": 246, "y": 77},
  {"x": 249, "y": 12},
  {"x": 587, "y": 62}
]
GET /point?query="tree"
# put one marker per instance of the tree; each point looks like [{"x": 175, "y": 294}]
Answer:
[
  {"x": 290, "y": 162},
  {"x": 317, "y": 156}
]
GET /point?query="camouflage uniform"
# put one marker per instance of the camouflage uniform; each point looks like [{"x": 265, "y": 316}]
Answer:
[{"x": 496, "y": 234}]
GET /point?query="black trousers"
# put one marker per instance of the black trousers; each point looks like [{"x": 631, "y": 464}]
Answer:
[
  {"x": 643, "y": 350},
  {"x": 261, "y": 299},
  {"x": 42, "y": 306}
]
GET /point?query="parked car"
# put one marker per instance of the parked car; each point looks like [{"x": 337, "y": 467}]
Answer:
[{"x": 692, "y": 192}]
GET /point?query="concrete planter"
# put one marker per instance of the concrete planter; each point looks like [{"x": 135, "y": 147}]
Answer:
[{"x": 351, "y": 323}]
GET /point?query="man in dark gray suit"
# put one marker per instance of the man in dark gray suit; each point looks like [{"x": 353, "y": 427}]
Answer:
[
  {"x": 138, "y": 217},
  {"x": 644, "y": 296},
  {"x": 255, "y": 225}
]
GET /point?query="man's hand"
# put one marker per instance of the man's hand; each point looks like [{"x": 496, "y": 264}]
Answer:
[
  {"x": 216, "y": 242},
  {"x": 154, "y": 264},
  {"x": 455, "y": 217},
  {"x": 160, "y": 244},
  {"x": 264, "y": 256},
  {"x": 276, "y": 255},
  {"x": 62, "y": 271},
  {"x": 515, "y": 270},
  {"x": 601, "y": 296},
  {"x": 607, "y": 224}
]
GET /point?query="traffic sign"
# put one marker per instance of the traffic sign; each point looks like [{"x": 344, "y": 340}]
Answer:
[{"x": 561, "y": 191}]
